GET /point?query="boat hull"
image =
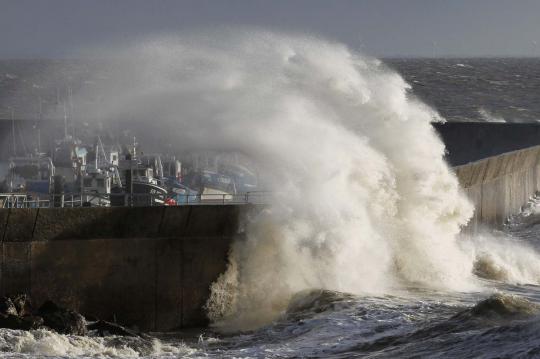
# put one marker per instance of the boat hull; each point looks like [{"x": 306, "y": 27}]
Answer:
[{"x": 144, "y": 194}]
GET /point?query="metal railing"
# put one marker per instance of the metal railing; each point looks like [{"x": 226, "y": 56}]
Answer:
[{"x": 21, "y": 200}]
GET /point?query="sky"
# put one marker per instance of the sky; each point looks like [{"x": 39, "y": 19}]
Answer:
[{"x": 384, "y": 28}]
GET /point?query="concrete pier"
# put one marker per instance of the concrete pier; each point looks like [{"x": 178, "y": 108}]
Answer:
[{"x": 149, "y": 267}]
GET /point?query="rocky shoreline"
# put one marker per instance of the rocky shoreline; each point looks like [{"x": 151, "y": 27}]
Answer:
[{"x": 17, "y": 312}]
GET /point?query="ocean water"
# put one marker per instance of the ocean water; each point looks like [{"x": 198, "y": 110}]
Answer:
[
  {"x": 358, "y": 253},
  {"x": 477, "y": 89},
  {"x": 496, "y": 89},
  {"x": 501, "y": 322}
]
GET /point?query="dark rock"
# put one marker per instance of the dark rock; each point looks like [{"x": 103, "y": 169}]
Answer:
[
  {"x": 7, "y": 307},
  {"x": 23, "y": 304},
  {"x": 104, "y": 328},
  {"x": 16, "y": 313},
  {"x": 90, "y": 317},
  {"x": 62, "y": 320},
  {"x": 11, "y": 321},
  {"x": 33, "y": 321}
]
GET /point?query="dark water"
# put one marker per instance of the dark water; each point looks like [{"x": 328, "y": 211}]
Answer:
[
  {"x": 460, "y": 89},
  {"x": 476, "y": 89},
  {"x": 440, "y": 325},
  {"x": 336, "y": 325}
]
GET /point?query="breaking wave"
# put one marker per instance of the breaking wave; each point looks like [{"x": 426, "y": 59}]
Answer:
[
  {"x": 502, "y": 306},
  {"x": 487, "y": 116},
  {"x": 499, "y": 257},
  {"x": 363, "y": 202}
]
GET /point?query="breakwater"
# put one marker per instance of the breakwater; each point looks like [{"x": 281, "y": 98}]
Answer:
[
  {"x": 500, "y": 185},
  {"x": 149, "y": 267}
]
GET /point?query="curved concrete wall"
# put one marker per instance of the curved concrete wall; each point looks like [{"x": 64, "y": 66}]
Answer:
[
  {"x": 145, "y": 266},
  {"x": 499, "y": 186}
]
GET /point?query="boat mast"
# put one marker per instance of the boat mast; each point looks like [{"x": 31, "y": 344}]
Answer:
[
  {"x": 13, "y": 132},
  {"x": 107, "y": 162},
  {"x": 70, "y": 99},
  {"x": 39, "y": 126},
  {"x": 65, "y": 120},
  {"x": 134, "y": 147},
  {"x": 96, "y": 162}
]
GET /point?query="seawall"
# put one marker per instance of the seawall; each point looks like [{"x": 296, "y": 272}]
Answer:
[
  {"x": 500, "y": 185},
  {"x": 149, "y": 267}
]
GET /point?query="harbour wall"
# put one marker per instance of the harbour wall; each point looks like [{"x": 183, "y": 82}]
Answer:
[
  {"x": 499, "y": 186},
  {"x": 149, "y": 267}
]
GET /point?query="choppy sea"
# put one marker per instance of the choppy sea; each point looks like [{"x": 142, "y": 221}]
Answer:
[
  {"x": 496, "y": 89},
  {"x": 500, "y": 322}
]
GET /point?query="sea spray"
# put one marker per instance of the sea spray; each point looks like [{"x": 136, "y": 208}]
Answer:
[
  {"x": 363, "y": 201},
  {"x": 500, "y": 257},
  {"x": 410, "y": 322}
]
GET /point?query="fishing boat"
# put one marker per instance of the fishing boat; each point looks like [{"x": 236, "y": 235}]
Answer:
[
  {"x": 31, "y": 175},
  {"x": 140, "y": 185}
]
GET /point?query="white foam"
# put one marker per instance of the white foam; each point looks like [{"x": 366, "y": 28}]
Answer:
[
  {"x": 44, "y": 343},
  {"x": 500, "y": 257},
  {"x": 363, "y": 198},
  {"x": 489, "y": 117}
]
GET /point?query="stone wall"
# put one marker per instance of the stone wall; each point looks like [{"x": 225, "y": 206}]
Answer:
[
  {"x": 146, "y": 266},
  {"x": 499, "y": 186}
]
